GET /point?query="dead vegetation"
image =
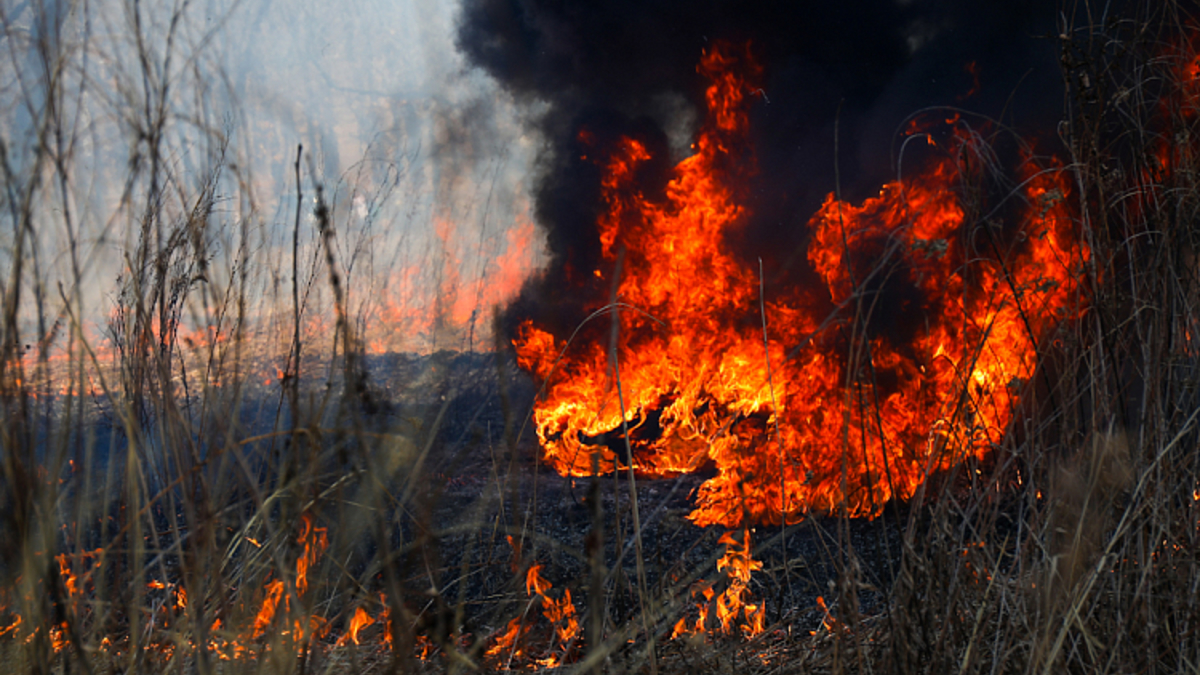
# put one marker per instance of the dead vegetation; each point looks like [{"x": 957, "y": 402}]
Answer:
[{"x": 155, "y": 463}]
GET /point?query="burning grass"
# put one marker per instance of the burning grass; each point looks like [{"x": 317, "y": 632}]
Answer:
[{"x": 227, "y": 500}]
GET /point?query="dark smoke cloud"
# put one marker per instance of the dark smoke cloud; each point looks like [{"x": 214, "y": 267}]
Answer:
[{"x": 629, "y": 67}]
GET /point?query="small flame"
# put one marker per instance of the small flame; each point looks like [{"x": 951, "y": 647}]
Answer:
[
  {"x": 560, "y": 613},
  {"x": 58, "y": 638},
  {"x": 315, "y": 542},
  {"x": 423, "y": 645},
  {"x": 67, "y": 575},
  {"x": 827, "y": 622},
  {"x": 507, "y": 641},
  {"x": 733, "y": 606},
  {"x": 11, "y": 627},
  {"x": 359, "y": 621},
  {"x": 266, "y": 614},
  {"x": 534, "y": 583}
]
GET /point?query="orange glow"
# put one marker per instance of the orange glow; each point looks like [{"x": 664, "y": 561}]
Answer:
[
  {"x": 359, "y": 621},
  {"x": 972, "y": 69},
  {"x": 784, "y": 420},
  {"x": 452, "y": 304},
  {"x": 67, "y": 575},
  {"x": 58, "y": 640},
  {"x": 262, "y": 620},
  {"x": 506, "y": 642},
  {"x": 315, "y": 541},
  {"x": 560, "y": 613},
  {"x": 11, "y": 627},
  {"x": 738, "y": 564},
  {"x": 827, "y": 622},
  {"x": 733, "y": 606},
  {"x": 423, "y": 646}
]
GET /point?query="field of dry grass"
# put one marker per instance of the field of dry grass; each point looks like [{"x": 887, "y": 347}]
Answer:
[{"x": 223, "y": 479}]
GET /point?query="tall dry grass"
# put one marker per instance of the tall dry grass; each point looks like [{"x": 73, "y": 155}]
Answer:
[
  {"x": 155, "y": 490},
  {"x": 153, "y": 456},
  {"x": 1074, "y": 549}
]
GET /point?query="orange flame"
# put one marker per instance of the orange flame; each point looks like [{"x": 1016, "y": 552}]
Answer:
[
  {"x": 790, "y": 420},
  {"x": 739, "y": 565},
  {"x": 266, "y": 614},
  {"x": 733, "y": 606},
  {"x": 67, "y": 574},
  {"x": 315, "y": 542},
  {"x": 359, "y": 621},
  {"x": 12, "y": 626},
  {"x": 827, "y": 621},
  {"x": 58, "y": 640},
  {"x": 560, "y": 613},
  {"x": 423, "y": 645},
  {"x": 275, "y": 599},
  {"x": 507, "y": 641}
]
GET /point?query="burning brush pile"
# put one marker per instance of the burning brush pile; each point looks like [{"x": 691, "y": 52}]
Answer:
[
  {"x": 941, "y": 416},
  {"x": 704, "y": 374}
]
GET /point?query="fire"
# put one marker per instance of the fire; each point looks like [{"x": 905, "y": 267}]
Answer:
[
  {"x": 11, "y": 627},
  {"x": 266, "y": 613},
  {"x": 315, "y": 541},
  {"x": 733, "y": 602},
  {"x": 820, "y": 402},
  {"x": 274, "y": 614},
  {"x": 506, "y": 643},
  {"x": 454, "y": 308},
  {"x": 559, "y": 613},
  {"x": 827, "y": 621},
  {"x": 359, "y": 621},
  {"x": 733, "y": 606}
]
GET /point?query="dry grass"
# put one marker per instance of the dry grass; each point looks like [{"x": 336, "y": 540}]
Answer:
[{"x": 159, "y": 458}]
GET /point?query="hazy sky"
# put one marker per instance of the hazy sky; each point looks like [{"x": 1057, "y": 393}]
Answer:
[
  {"x": 380, "y": 93},
  {"x": 423, "y": 161}
]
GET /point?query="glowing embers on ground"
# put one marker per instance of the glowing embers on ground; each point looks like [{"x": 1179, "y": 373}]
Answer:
[
  {"x": 910, "y": 358},
  {"x": 279, "y": 615}
]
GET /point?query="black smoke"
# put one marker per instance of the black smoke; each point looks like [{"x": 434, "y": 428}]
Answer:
[{"x": 628, "y": 67}]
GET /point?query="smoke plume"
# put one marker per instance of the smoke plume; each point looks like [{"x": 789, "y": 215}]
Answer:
[{"x": 835, "y": 74}]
